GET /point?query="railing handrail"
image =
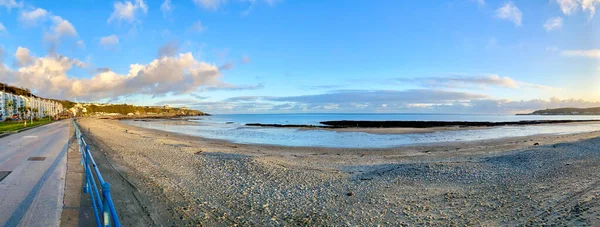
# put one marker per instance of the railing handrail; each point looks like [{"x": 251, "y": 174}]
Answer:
[{"x": 105, "y": 213}]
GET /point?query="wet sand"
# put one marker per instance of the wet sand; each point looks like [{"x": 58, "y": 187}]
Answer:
[
  {"x": 407, "y": 130},
  {"x": 424, "y": 130},
  {"x": 190, "y": 180}
]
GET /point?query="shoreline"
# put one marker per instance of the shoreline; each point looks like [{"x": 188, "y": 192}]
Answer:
[
  {"x": 374, "y": 130},
  {"x": 493, "y": 145},
  {"x": 418, "y": 124},
  {"x": 496, "y": 182}
]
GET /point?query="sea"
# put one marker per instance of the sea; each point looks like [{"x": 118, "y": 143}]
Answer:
[{"x": 232, "y": 127}]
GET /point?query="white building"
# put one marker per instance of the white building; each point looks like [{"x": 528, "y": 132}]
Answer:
[{"x": 26, "y": 107}]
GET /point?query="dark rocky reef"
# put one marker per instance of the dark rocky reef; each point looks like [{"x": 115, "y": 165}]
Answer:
[
  {"x": 416, "y": 124},
  {"x": 289, "y": 126},
  {"x": 432, "y": 124}
]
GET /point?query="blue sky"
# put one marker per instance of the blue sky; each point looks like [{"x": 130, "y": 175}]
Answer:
[{"x": 263, "y": 56}]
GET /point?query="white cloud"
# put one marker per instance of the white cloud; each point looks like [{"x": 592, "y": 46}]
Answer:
[
  {"x": 381, "y": 96},
  {"x": 342, "y": 100},
  {"x": 2, "y": 28},
  {"x": 33, "y": 16},
  {"x": 9, "y": 4},
  {"x": 197, "y": 27},
  {"x": 173, "y": 75},
  {"x": 484, "y": 80},
  {"x": 471, "y": 82},
  {"x": 166, "y": 8},
  {"x": 553, "y": 23},
  {"x": 127, "y": 11},
  {"x": 570, "y": 6},
  {"x": 23, "y": 57},
  {"x": 222, "y": 86},
  {"x": 209, "y": 4},
  {"x": 111, "y": 40},
  {"x": 511, "y": 13},
  {"x": 590, "y": 6},
  {"x": 58, "y": 29},
  {"x": 593, "y": 53},
  {"x": 62, "y": 27}
]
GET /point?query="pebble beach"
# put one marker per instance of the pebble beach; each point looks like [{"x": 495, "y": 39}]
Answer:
[{"x": 189, "y": 181}]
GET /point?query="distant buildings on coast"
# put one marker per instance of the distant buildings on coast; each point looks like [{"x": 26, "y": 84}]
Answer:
[
  {"x": 105, "y": 109},
  {"x": 24, "y": 107}
]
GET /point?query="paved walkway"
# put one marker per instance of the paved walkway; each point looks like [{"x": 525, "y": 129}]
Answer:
[{"x": 32, "y": 192}]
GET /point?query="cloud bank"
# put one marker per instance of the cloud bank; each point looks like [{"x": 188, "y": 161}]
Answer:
[
  {"x": 471, "y": 82},
  {"x": 47, "y": 76},
  {"x": 403, "y": 101}
]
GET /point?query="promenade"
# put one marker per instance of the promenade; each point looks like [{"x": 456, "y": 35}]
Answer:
[{"x": 32, "y": 175}]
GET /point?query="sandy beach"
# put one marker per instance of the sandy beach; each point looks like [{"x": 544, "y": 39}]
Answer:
[{"x": 185, "y": 180}]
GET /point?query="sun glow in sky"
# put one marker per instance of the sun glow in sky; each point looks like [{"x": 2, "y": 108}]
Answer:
[{"x": 284, "y": 56}]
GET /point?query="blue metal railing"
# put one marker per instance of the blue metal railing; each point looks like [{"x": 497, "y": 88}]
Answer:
[{"x": 104, "y": 208}]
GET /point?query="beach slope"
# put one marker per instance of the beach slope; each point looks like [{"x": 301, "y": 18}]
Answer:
[{"x": 502, "y": 182}]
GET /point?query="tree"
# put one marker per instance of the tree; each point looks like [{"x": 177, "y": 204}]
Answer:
[
  {"x": 35, "y": 111},
  {"x": 21, "y": 111},
  {"x": 28, "y": 111},
  {"x": 8, "y": 107}
]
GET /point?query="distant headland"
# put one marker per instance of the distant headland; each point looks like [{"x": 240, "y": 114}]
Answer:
[{"x": 567, "y": 111}]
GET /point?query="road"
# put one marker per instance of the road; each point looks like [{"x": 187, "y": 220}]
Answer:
[{"x": 32, "y": 193}]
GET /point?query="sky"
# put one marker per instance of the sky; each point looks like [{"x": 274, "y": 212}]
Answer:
[{"x": 292, "y": 56}]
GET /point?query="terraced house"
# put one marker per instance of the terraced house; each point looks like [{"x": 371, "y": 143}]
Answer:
[{"x": 26, "y": 107}]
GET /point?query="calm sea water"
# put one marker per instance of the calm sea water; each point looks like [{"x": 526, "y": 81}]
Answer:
[{"x": 232, "y": 128}]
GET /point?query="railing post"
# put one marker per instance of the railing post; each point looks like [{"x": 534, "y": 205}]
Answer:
[
  {"x": 106, "y": 215},
  {"x": 81, "y": 149},
  {"x": 85, "y": 169},
  {"x": 94, "y": 206}
]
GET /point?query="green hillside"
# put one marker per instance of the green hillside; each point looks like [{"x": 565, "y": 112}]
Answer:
[
  {"x": 568, "y": 111},
  {"x": 125, "y": 109}
]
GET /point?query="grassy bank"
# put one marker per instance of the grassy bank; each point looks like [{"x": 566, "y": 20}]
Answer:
[{"x": 14, "y": 126}]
